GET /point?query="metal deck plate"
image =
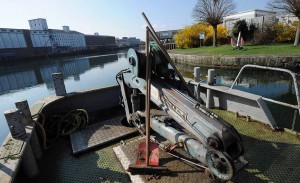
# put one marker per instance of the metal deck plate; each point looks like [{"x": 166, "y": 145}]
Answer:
[
  {"x": 99, "y": 134},
  {"x": 58, "y": 166},
  {"x": 272, "y": 156},
  {"x": 179, "y": 171}
]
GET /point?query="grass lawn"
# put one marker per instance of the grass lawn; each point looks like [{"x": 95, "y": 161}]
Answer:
[{"x": 282, "y": 49}]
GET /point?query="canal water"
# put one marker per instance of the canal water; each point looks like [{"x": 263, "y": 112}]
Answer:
[
  {"x": 32, "y": 81},
  {"x": 268, "y": 84}
]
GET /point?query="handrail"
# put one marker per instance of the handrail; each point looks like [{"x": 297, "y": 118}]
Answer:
[{"x": 274, "y": 69}]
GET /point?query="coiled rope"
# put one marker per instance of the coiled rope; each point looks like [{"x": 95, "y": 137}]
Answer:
[{"x": 60, "y": 125}]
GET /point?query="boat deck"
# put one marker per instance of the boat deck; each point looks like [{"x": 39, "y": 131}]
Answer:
[{"x": 272, "y": 157}]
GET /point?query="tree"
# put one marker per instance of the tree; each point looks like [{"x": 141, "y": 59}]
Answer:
[
  {"x": 292, "y": 6},
  {"x": 240, "y": 26},
  {"x": 285, "y": 33},
  {"x": 212, "y": 12},
  {"x": 188, "y": 37},
  {"x": 247, "y": 31}
]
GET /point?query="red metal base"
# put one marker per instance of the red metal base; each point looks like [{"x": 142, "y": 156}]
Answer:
[{"x": 153, "y": 157}]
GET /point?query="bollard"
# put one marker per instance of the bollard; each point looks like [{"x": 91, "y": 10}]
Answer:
[
  {"x": 211, "y": 76},
  {"x": 210, "y": 81},
  {"x": 29, "y": 164},
  {"x": 15, "y": 123},
  {"x": 23, "y": 107},
  {"x": 59, "y": 84},
  {"x": 197, "y": 75},
  {"x": 209, "y": 99}
]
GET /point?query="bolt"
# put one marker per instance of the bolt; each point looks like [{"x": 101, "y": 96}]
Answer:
[
  {"x": 132, "y": 61},
  {"x": 236, "y": 114},
  {"x": 248, "y": 118}
]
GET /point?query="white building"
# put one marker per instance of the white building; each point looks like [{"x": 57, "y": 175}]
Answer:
[
  {"x": 41, "y": 36},
  {"x": 255, "y": 16},
  {"x": 38, "y": 24},
  {"x": 287, "y": 18},
  {"x": 66, "y": 38},
  {"x": 12, "y": 38}
]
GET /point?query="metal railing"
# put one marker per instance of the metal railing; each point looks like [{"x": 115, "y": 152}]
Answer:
[
  {"x": 169, "y": 46},
  {"x": 294, "y": 76}
]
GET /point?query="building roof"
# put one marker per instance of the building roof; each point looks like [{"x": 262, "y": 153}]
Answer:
[
  {"x": 37, "y": 19},
  {"x": 59, "y": 30},
  {"x": 267, "y": 11},
  {"x": 98, "y": 35},
  {"x": 168, "y": 30},
  {"x": 12, "y": 29}
]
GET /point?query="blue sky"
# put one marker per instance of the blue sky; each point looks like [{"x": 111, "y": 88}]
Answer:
[{"x": 108, "y": 17}]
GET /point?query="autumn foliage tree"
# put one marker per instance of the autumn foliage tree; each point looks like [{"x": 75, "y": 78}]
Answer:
[
  {"x": 212, "y": 12},
  {"x": 188, "y": 37}
]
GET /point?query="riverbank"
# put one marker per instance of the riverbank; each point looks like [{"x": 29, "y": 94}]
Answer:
[
  {"x": 236, "y": 61},
  {"x": 283, "y": 55},
  {"x": 78, "y": 53},
  {"x": 276, "y": 49}
]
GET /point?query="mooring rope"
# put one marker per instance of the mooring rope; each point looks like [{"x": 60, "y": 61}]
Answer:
[{"x": 60, "y": 125}]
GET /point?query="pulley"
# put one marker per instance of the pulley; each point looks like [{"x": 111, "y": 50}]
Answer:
[{"x": 219, "y": 165}]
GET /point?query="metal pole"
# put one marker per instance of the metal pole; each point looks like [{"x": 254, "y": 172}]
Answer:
[
  {"x": 148, "y": 93},
  {"x": 154, "y": 36}
]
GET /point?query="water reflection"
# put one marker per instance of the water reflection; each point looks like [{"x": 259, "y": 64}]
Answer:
[
  {"x": 14, "y": 81},
  {"x": 34, "y": 73},
  {"x": 32, "y": 80},
  {"x": 270, "y": 84}
]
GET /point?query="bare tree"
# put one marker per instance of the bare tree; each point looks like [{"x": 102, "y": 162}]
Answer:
[
  {"x": 292, "y": 6},
  {"x": 212, "y": 12}
]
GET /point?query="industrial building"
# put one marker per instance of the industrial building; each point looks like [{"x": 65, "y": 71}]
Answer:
[
  {"x": 97, "y": 41},
  {"x": 128, "y": 41},
  {"x": 255, "y": 16},
  {"x": 15, "y": 42},
  {"x": 12, "y": 38},
  {"x": 64, "y": 39},
  {"x": 40, "y": 40},
  {"x": 167, "y": 36}
]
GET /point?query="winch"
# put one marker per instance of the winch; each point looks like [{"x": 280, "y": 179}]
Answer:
[{"x": 175, "y": 114}]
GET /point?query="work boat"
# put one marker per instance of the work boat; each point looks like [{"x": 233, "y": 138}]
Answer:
[{"x": 154, "y": 126}]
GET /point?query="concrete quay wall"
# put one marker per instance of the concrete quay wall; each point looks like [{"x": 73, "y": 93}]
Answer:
[{"x": 287, "y": 61}]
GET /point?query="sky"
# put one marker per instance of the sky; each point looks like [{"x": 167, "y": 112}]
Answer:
[{"x": 120, "y": 18}]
